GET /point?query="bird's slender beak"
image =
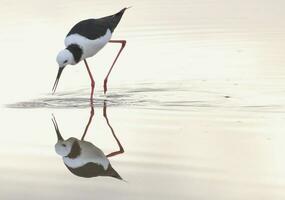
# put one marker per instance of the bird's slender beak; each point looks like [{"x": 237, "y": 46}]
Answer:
[
  {"x": 57, "y": 79},
  {"x": 59, "y": 137}
]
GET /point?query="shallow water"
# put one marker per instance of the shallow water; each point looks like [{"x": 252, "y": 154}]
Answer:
[{"x": 196, "y": 100}]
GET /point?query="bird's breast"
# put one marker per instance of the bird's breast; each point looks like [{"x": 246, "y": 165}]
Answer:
[
  {"x": 89, "y": 47},
  {"x": 89, "y": 154}
]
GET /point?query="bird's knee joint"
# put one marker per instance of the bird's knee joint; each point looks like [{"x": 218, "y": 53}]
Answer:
[{"x": 124, "y": 42}]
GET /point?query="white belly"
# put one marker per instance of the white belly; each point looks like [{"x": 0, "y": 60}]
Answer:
[
  {"x": 89, "y": 47},
  {"x": 89, "y": 154}
]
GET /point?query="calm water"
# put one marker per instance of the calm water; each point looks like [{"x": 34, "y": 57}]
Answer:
[{"x": 196, "y": 100}]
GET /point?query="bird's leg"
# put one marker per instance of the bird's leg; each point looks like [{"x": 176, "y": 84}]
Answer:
[
  {"x": 89, "y": 122},
  {"x": 123, "y": 42},
  {"x": 121, "y": 150},
  {"x": 92, "y": 81}
]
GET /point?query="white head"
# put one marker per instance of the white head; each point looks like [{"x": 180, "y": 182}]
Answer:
[
  {"x": 63, "y": 147},
  {"x": 64, "y": 57}
]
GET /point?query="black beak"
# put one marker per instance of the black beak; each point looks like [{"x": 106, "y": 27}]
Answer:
[
  {"x": 57, "y": 79},
  {"x": 59, "y": 137}
]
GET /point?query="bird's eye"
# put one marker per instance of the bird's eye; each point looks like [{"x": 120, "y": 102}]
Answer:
[
  {"x": 65, "y": 61},
  {"x": 63, "y": 145}
]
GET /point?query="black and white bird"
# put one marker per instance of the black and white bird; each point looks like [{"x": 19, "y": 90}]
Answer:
[
  {"x": 84, "y": 40},
  {"x": 83, "y": 158}
]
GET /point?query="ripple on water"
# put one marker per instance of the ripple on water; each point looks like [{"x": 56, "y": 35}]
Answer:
[
  {"x": 144, "y": 95},
  {"x": 164, "y": 96}
]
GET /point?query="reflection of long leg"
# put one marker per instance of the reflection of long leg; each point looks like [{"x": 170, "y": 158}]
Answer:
[
  {"x": 121, "y": 150},
  {"x": 89, "y": 122},
  {"x": 123, "y": 42}
]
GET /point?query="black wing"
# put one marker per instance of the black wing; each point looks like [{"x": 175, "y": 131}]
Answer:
[
  {"x": 95, "y": 28},
  {"x": 92, "y": 170}
]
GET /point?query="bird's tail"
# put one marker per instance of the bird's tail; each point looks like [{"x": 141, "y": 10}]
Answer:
[
  {"x": 117, "y": 18},
  {"x": 113, "y": 173}
]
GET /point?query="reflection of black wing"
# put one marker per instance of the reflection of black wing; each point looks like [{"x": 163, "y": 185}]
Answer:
[
  {"x": 95, "y": 28},
  {"x": 92, "y": 170}
]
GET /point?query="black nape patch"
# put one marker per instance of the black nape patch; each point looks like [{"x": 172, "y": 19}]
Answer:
[
  {"x": 75, "y": 150},
  {"x": 76, "y": 52}
]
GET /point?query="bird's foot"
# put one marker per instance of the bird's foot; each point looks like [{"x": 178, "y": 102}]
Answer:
[{"x": 91, "y": 102}]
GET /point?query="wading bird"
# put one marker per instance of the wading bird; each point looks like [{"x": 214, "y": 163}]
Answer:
[
  {"x": 84, "y": 40},
  {"x": 83, "y": 158}
]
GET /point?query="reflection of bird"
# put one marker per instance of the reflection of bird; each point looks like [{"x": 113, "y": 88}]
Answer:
[
  {"x": 83, "y": 158},
  {"x": 84, "y": 40}
]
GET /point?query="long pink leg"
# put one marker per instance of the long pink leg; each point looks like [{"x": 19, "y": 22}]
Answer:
[
  {"x": 123, "y": 42},
  {"x": 92, "y": 81},
  {"x": 121, "y": 150},
  {"x": 89, "y": 121}
]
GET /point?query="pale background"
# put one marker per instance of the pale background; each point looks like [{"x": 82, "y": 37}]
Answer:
[{"x": 168, "y": 100}]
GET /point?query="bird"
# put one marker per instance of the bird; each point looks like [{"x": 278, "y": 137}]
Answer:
[
  {"x": 84, "y": 40},
  {"x": 84, "y": 159}
]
